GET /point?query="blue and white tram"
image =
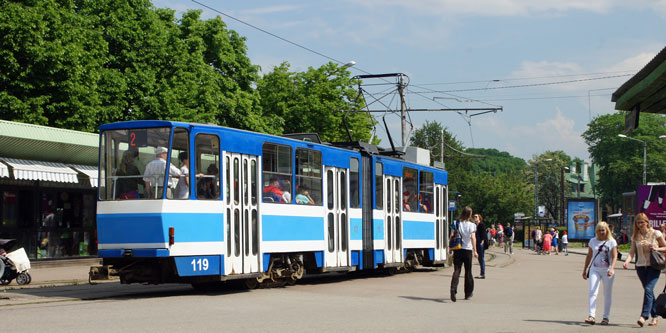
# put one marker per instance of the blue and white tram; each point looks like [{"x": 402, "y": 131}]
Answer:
[{"x": 196, "y": 203}]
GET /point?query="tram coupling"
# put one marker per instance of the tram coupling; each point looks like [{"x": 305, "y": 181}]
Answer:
[{"x": 101, "y": 273}]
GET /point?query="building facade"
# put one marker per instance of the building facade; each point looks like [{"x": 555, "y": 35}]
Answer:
[{"x": 48, "y": 187}]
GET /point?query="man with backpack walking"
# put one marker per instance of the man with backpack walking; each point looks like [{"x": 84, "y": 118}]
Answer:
[{"x": 508, "y": 239}]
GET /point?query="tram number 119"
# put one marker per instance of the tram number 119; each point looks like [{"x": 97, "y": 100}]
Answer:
[{"x": 199, "y": 265}]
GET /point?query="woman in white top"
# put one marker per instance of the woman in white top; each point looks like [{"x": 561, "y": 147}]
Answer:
[
  {"x": 643, "y": 240},
  {"x": 467, "y": 230},
  {"x": 601, "y": 259}
]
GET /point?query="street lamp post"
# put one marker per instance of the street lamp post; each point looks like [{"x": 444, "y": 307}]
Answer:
[
  {"x": 644, "y": 155},
  {"x": 536, "y": 186},
  {"x": 562, "y": 217}
]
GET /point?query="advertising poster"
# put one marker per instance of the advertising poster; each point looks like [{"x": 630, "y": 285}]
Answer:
[
  {"x": 581, "y": 218},
  {"x": 651, "y": 202}
]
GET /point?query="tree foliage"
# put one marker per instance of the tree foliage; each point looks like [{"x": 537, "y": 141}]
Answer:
[
  {"x": 301, "y": 102},
  {"x": 497, "y": 198},
  {"x": 492, "y": 189},
  {"x": 548, "y": 168},
  {"x": 621, "y": 159},
  {"x": 496, "y": 162},
  {"x": 429, "y": 136},
  {"x": 78, "y": 64}
]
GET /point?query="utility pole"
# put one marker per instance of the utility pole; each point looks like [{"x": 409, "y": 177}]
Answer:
[
  {"x": 441, "y": 149},
  {"x": 403, "y": 108}
]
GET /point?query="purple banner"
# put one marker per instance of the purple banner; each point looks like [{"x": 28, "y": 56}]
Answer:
[{"x": 651, "y": 201}]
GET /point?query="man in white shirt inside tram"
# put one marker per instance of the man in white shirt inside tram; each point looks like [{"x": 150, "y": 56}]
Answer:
[{"x": 154, "y": 174}]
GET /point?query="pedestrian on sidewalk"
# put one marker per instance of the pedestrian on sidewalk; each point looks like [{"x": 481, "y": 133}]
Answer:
[
  {"x": 547, "y": 238},
  {"x": 461, "y": 257},
  {"x": 565, "y": 243},
  {"x": 508, "y": 242},
  {"x": 538, "y": 245},
  {"x": 555, "y": 241},
  {"x": 500, "y": 235},
  {"x": 643, "y": 240},
  {"x": 481, "y": 243},
  {"x": 600, "y": 266}
]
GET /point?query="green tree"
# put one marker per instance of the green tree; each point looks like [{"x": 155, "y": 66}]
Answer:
[
  {"x": 78, "y": 64},
  {"x": 429, "y": 136},
  {"x": 496, "y": 162},
  {"x": 496, "y": 193},
  {"x": 305, "y": 102},
  {"x": 548, "y": 167},
  {"x": 496, "y": 197},
  {"x": 620, "y": 160},
  {"x": 49, "y": 61}
]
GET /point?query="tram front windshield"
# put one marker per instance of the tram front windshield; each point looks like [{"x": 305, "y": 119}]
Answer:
[{"x": 124, "y": 157}]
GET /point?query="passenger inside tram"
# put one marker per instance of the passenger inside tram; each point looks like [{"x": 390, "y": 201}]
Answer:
[{"x": 303, "y": 197}]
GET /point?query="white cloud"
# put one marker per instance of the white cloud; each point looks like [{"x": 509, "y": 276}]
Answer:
[
  {"x": 270, "y": 10},
  {"x": 571, "y": 76},
  {"x": 495, "y": 7},
  {"x": 557, "y": 133},
  {"x": 636, "y": 62}
]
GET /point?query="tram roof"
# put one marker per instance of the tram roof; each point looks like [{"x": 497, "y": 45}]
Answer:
[{"x": 167, "y": 123}]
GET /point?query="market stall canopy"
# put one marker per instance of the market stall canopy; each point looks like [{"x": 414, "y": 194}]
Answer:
[
  {"x": 40, "y": 170},
  {"x": 644, "y": 92},
  {"x": 34, "y": 142},
  {"x": 4, "y": 172},
  {"x": 88, "y": 170}
]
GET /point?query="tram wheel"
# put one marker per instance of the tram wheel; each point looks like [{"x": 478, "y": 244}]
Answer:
[{"x": 251, "y": 283}]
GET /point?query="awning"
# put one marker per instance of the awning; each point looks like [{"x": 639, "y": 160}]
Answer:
[
  {"x": 39, "y": 170},
  {"x": 88, "y": 170},
  {"x": 4, "y": 171}
]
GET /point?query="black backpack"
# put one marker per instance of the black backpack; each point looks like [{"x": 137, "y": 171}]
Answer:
[{"x": 508, "y": 232}]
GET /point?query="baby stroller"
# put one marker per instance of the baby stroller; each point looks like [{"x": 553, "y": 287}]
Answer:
[{"x": 13, "y": 265}]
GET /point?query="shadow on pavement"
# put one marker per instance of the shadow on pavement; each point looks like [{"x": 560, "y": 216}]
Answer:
[
  {"x": 438, "y": 300},
  {"x": 577, "y": 323}
]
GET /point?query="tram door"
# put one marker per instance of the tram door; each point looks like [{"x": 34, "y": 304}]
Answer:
[
  {"x": 337, "y": 221},
  {"x": 441, "y": 212},
  {"x": 393, "y": 236},
  {"x": 242, "y": 225}
]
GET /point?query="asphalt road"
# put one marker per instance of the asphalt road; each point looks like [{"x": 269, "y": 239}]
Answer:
[{"x": 525, "y": 293}]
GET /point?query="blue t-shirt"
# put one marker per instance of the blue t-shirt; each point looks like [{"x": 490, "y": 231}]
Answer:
[{"x": 302, "y": 199}]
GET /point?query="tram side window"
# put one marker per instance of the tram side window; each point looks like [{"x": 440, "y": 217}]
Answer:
[
  {"x": 379, "y": 186},
  {"x": 276, "y": 175},
  {"x": 308, "y": 177},
  {"x": 426, "y": 184},
  {"x": 354, "y": 183},
  {"x": 207, "y": 154},
  {"x": 180, "y": 158},
  {"x": 409, "y": 188}
]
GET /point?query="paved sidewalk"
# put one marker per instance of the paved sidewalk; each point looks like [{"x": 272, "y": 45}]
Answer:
[
  {"x": 58, "y": 273},
  {"x": 525, "y": 292},
  {"x": 75, "y": 271}
]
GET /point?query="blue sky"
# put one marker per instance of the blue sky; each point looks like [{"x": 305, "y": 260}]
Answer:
[{"x": 468, "y": 54}]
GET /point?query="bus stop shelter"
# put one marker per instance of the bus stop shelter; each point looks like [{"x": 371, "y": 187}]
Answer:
[{"x": 643, "y": 92}]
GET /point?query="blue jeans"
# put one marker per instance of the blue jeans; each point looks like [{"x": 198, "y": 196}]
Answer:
[
  {"x": 482, "y": 260},
  {"x": 649, "y": 277}
]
